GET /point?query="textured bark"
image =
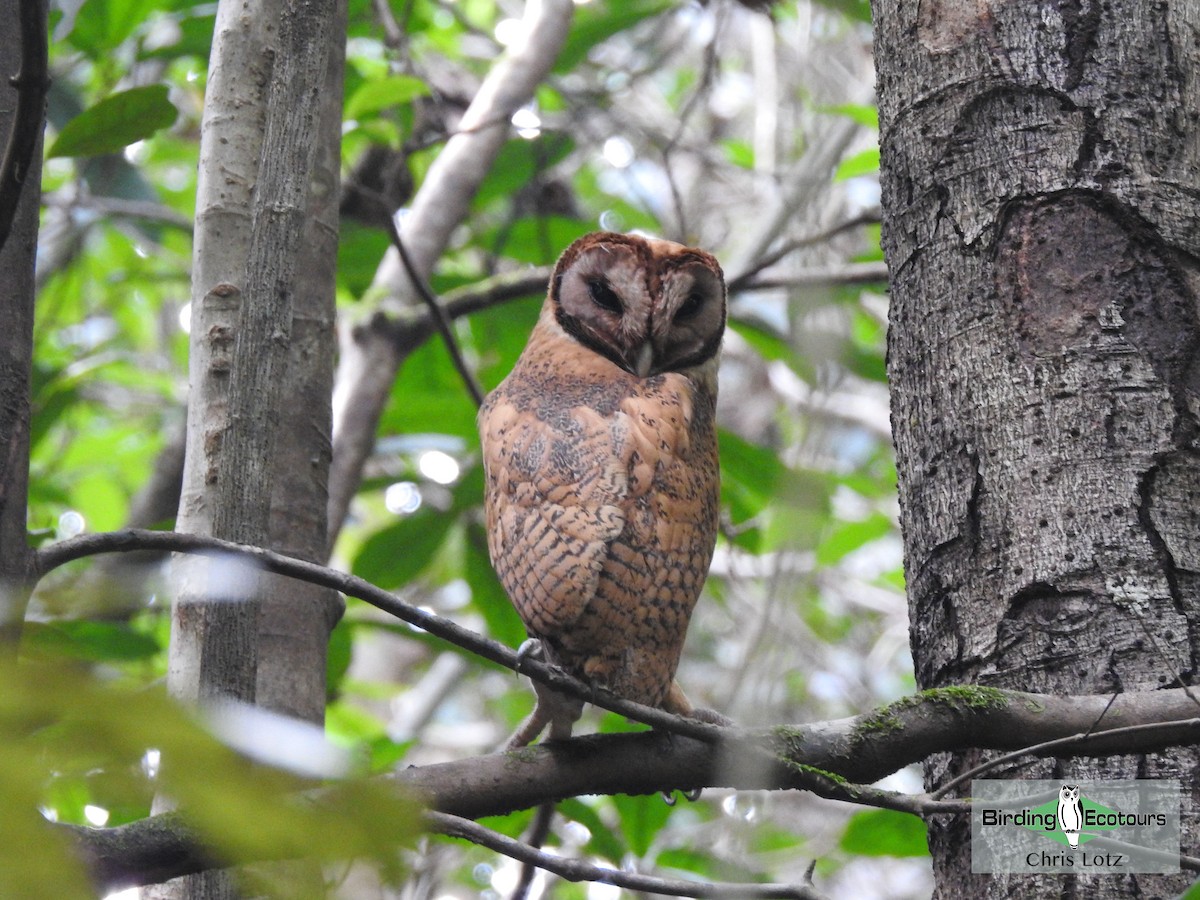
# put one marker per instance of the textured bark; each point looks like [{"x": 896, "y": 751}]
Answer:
[
  {"x": 231, "y": 143},
  {"x": 1042, "y": 215},
  {"x": 16, "y": 302},
  {"x": 261, "y": 367},
  {"x": 295, "y": 618}
]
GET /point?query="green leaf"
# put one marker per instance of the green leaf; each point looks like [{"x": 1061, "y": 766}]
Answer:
[
  {"x": 604, "y": 841},
  {"x": 773, "y": 346},
  {"x": 86, "y": 640},
  {"x": 372, "y": 97},
  {"x": 540, "y": 240},
  {"x": 850, "y": 536},
  {"x": 358, "y": 254},
  {"x": 852, "y": 9},
  {"x": 487, "y": 594},
  {"x": 55, "y": 719},
  {"x": 597, "y": 22},
  {"x": 398, "y": 553},
  {"x": 642, "y": 818},
  {"x": 865, "y": 162},
  {"x": 102, "y": 25},
  {"x": 863, "y": 113},
  {"x": 116, "y": 122},
  {"x": 740, "y": 153},
  {"x": 337, "y": 657},
  {"x": 518, "y": 161},
  {"x": 885, "y": 832}
]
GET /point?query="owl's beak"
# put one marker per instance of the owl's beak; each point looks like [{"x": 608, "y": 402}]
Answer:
[{"x": 643, "y": 359}]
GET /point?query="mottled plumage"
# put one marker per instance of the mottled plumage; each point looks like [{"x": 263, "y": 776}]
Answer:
[{"x": 600, "y": 455}]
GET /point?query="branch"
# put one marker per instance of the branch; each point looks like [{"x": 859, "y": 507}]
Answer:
[
  {"x": 739, "y": 281},
  {"x": 55, "y": 555},
  {"x": 824, "y": 757},
  {"x": 579, "y": 870},
  {"x": 367, "y": 368},
  {"x": 851, "y": 273},
  {"x": 436, "y": 311},
  {"x": 31, "y": 82},
  {"x": 411, "y": 328},
  {"x": 816, "y": 756}
]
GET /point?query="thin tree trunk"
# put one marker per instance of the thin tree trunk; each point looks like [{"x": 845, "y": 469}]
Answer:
[
  {"x": 16, "y": 295},
  {"x": 261, "y": 365},
  {"x": 296, "y": 618},
  {"x": 1042, "y": 215}
]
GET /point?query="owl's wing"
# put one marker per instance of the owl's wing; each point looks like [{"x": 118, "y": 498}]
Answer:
[{"x": 554, "y": 494}]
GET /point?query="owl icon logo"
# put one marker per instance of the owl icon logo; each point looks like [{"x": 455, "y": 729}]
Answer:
[{"x": 1070, "y": 815}]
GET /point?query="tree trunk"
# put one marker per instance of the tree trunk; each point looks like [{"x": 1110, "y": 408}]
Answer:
[
  {"x": 22, "y": 119},
  {"x": 258, "y": 444},
  {"x": 1042, "y": 212}
]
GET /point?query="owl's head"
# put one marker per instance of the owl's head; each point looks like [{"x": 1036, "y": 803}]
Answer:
[{"x": 650, "y": 306}]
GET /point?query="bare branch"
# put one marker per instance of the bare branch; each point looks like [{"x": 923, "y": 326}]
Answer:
[
  {"x": 368, "y": 366},
  {"x": 436, "y": 312},
  {"x": 55, "y": 555},
  {"x": 851, "y": 273},
  {"x": 809, "y": 757},
  {"x": 1043, "y": 748},
  {"x": 579, "y": 870},
  {"x": 739, "y": 281}
]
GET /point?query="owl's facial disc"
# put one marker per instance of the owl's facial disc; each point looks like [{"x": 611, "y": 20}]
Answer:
[{"x": 648, "y": 306}]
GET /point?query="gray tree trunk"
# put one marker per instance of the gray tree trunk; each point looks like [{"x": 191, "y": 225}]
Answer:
[
  {"x": 16, "y": 343},
  {"x": 258, "y": 443},
  {"x": 1041, "y": 190}
]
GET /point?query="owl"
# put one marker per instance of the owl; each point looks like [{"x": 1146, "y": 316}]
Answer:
[
  {"x": 1070, "y": 816},
  {"x": 600, "y": 462}
]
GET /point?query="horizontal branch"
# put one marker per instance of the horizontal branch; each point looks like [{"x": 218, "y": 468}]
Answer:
[
  {"x": 816, "y": 757},
  {"x": 411, "y": 327}
]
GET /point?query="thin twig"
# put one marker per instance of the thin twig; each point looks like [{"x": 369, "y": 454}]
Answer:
[
  {"x": 437, "y": 311},
  {"x": 705, "y": 85},
  {"x": 851, "y": 273},
  {"x": 1040, "y": 749},
  {"x": 739, "y": 281},
  {"x": 55, "y": 555},
  {"x": 579, "y": 870},
  {"x": 393, "y": 34}
]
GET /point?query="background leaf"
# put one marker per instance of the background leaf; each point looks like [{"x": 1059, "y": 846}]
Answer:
[{"x": 115, "y": 122}]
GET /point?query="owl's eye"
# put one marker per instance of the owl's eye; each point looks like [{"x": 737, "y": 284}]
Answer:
[
  {"x": 689, "y": 307},
  {"x": 604, "y": 296}
]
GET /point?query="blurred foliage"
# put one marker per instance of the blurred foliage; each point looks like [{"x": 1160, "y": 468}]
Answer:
[{"x": 706, "y": 123}]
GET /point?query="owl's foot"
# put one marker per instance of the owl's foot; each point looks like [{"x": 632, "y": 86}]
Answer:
[
  {"x": 690, "y": 796},
  {"x": 554, "y": 709},
  {"x": 678, "y": 703},
  {"x": 531, "y": 648},
  {"x": 711, "y": 716}
]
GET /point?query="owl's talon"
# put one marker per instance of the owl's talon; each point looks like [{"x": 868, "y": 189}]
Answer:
[
  {"x": 668, "y": 797},
  {"x": 693, "y": 795},
  {"x": 531, "y": 648}
]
